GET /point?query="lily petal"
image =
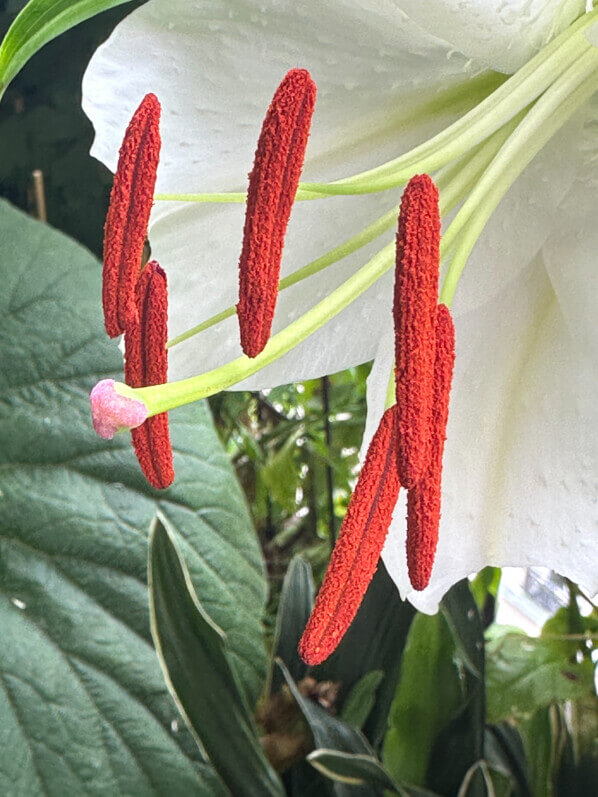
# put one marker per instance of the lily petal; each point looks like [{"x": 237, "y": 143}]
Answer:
[
  {"x": 376, "y": 70},
  {"x": 196, "y": 57},
  {"x": 570, "y": 252},
  {"x": 502, "y": 35},
  {"x": 527, "y": 216},
  {"x": 520, "y": 481},
  {"x": 374, "y": 67}
]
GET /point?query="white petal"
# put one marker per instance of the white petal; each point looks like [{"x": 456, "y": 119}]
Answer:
[
  {"x": 503, "y": 34},
  {"x": 208, "y": 282},
  {"x": 520, "y": 483},
  {"x": 572, "y": 263},
  {"x": 571, "y": 251},
  {"x": 215, "y": 67},
  {"x": 527, "y": 215}
]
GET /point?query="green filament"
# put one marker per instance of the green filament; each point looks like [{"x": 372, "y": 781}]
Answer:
[{"x": 548, "y": 115}]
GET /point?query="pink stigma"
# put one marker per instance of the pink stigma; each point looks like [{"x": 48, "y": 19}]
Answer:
[{"x": 111, "y": 412}]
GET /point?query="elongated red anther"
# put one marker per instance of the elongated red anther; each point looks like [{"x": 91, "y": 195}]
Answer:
[
  {"x": 415, "y": 299},
  {"x": 272, "y": 187},
  {"x": 146, "y": 363},
  {"x": 423, "y": 500},
  {"x": 128, "y": 215},
  {"x": 357, "y": 551}
]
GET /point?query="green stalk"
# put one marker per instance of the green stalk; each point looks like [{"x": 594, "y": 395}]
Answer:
[
  {"x": 161, "y": 398},
  {"x": 547, "y": 116},
  {"x": 454, "y": 183},
  {"x": 519, "y": 91},
  {"x": 456, "y": 97},
  {"x": 370, "y": 233}
]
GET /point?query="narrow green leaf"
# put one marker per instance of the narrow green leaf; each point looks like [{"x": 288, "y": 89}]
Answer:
[
  {"x": 328, "y": 731},
  {"x": 544, "y": 737},
  {"x": 461, "y": 613},
  {"x": 296, "y": 602},
  {"x": 374, "y": 641},
  {"x": 504, "y": 752},
  {"x": 361, "y": 699},
  {"x": 353, "y": 769},
  {"x": 37, "y": 24},
  {"x": 192, "y": 652},
  {"x": 477, "y": 782},
  {"x": 331, "y": 733},
  {"x": 461, "y": 742},
  {"x": 427, "y": 697}
]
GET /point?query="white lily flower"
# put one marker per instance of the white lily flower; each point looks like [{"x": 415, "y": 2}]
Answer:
[{"x": 520, "y": 478}]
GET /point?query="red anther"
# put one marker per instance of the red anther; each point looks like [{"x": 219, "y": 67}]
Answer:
[
  {"x": 415, "y": 299},
  {"x": 128, "y": 215},
  {"x": 272, "y": 187},
  {"x": 357, "y": 550},
  {"x": 146, "y": 363},
  {"x": 423, "y": 500}
]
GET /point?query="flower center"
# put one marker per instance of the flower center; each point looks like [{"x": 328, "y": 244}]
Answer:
[{"x": 474, "y": 161}]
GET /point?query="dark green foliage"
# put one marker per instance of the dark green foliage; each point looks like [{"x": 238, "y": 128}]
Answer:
[
  {"x": 82, "y": 699},
  {"x": 194, "y": 656},
  {"x": 42, "y": 126}
]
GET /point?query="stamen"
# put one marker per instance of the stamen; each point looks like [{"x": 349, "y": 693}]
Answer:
[
  {"x": 423, "y": 500},
  {"x": 128, "y": 215},
  {"x": 272, "y": 187},
  {"x": 357, "y": 551},
  {"x": 416, "y": 295},
  {"x": 146, "y": 363}
]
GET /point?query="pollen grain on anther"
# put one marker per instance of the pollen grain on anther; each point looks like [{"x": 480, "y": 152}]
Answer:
[
  {"x": 146, "y": 363},
  {"x": 128, "y": 215},
  {"x": 360, "y": 542},
  {"x": 423, "y": 500},
  {"x": 415, "y": 300},
  {"x": 272, "y": 187}
]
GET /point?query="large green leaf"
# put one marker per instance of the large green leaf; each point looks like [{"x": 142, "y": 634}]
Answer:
[
  {"x": 296, "y": 602},
  {"x": 461, "y": 743},
  {"x": 428, "y": 696},
  {"x": 83, "y": 705},
  {"x": 194, "y": 659},
  {"x": 37, "y": 24},
  {"x": 361, "y": 699},
  {"x": 525, "y": 673}
]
